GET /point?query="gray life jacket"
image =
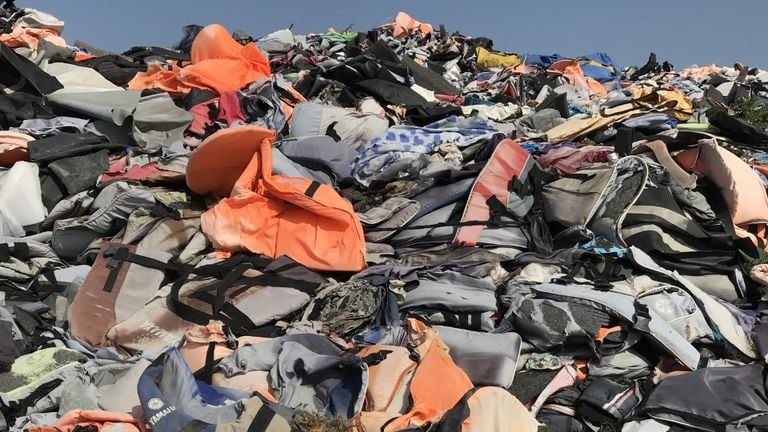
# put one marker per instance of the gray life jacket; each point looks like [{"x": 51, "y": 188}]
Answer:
[
  {"x": 642, "y": 318},
  {"x": 598, "y": 197}
]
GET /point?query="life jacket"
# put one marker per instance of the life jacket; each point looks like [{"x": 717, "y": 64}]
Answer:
[
  {"x": 351, "y": 127},
  {"x": 497, "y": 188},
  {"x": 673, "y": 304},
  {"x": 91, "y": 420},
  {"x": 643, "y": 319},
  {"x": 591, "y": 196},
  {"x": 645, "y": 100},
  {"x": 173, "y": 400},
  {"x": 720, "y": 318},
  {"x": 600, "y": 67},
  {"x": 740, "y": 186},
  {"x": 714, "y": 398},
  {"x": 575, "y": 75},
  {"x": 13, "y": 148},
  {"x": 219, "y": 63},
  {"x": 37, "y": 382},
  {"x": 489, "y": 359},
  {"x": 269, "y": 214},
  {"x": 244, "y": 292},
  {"x": 388, "y": 380},
  {"x": 404, "y": 24},
  {"x": 115, "y": 289},
  {"x": 488, "y": 409},
  {"x": 21, "y": 203},
  {"x": 437, "y": 385},
  {"x": 487, "y": 59},
  {"x": 673, "y": 103}
]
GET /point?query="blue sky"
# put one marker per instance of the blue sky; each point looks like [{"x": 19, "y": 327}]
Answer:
[{"x": 682, "y": 31}]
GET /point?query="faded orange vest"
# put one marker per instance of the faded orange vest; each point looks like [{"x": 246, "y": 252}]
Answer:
[
  {"x": 437, "y": 384},
  {"x": 741, "y": 187},
  {"x": 269, "y": 214}
]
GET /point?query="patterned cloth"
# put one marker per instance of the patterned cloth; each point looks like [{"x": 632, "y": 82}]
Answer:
[{"x": 404, "y": 150}]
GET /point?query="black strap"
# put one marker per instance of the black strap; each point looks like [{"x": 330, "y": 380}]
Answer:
[
  {"x": 572, "y": 272},
  {"x": 454, "y": 417},
  {"x": 263, "y": 419},
  {"x": 162, "y": 211},
  {"x": 21, "y": 251},
  {"x": 271, "y": 279},
  {"x": 230, "y": 271},
  {"x": 310, "y": 192},
  {"x": 521, "y": 188},
  {"x": 114, "y": 264},
  {"x": 489, "y": 223},
  {"x": 19, "y": 408},
  {"x": 207, "y": 372},
  {"x": 119, "y": 255},
  {"x": 376, "y": 358},
  {"x": 331, "y": 132},
  {"x": 582, "y": 176},
  {"x": 538, "y": 228},
  {"x": 476, "y": 321},
  {"x": 116, "y": 254},
  {"x": 642, "y": 317},
  {"x": 496, "y": 209},
  {"x": 283, "y": 93},
  {"x": 268, "y": 331},
  {"x": 52, "y": 285},
  {"x": 464, "y": 321},
  {"x": 18, "y": 250}
]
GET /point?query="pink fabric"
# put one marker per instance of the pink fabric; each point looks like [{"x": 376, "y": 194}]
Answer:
[
  {"x": 405, "y": 24},
  {"x": 669, "y": 367},
  {"x": 229, "y": 108},
  {"x": 30, "y": 37},
  {"x": 565, "y": 378},
  {"x": 458, "y": 100},
  {"x": 568, "y": 160},
  {"x": 200, "y": 116},
  {"x": 507, "y": 162},
  {"x": 228, "y": 112},
  {"x": 91, "y": 420},
  {"x": 118, "y": 170}
]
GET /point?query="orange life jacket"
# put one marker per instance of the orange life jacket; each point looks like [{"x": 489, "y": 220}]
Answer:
[
  {"x": 90, "y": 420},
  {"x": 269, "y": 214},
  {"x": 219, "y": 63},
  {"x": 438, "y": 383},
  {"x": 741, "y": 187}
]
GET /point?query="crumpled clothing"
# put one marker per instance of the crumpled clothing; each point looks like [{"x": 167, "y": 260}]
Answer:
[
  {"x": 126, "y": 169},
  {"x": 543, "y": 361},
  {"x": 402, "y": 146},
  {"x": 568, "y": 160},
  {"x": 700, "y": 72},
  {"x": 759, "y": 274},
  {"x": 13, "y": 147},
  {"x": 212, "y": 332},
  {"x": 537, "y": 123},
  {"x": 688, "y": 88},
  {"x": 31, "y": 37},
  {"x": 498, "y": 112},
  {"x": 345, "y": 308},
  {"x": 219, "y": 63},
  {"x": 404, "y": 25},
  {"x": 43, "y": 127},
  {"x": 91, "y": 420}
]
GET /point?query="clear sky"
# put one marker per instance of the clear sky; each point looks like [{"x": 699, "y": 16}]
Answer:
[{"x": 681, "y": 31}]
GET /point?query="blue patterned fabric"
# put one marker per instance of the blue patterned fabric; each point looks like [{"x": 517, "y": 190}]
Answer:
[{"x": 410, "y": 146}]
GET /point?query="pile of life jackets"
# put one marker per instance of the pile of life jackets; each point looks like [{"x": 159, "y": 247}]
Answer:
[{"x": 402, "y": 229}]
